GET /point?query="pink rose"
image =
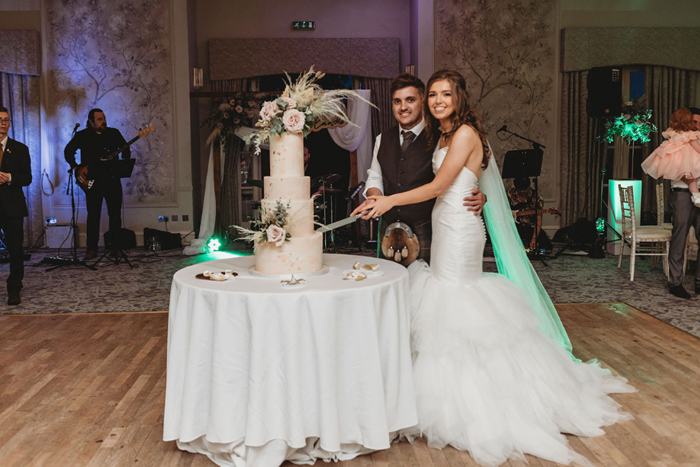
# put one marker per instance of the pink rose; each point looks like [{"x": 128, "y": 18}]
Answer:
[
  {"x": 293, "y": 121},
  {"x": 269, "y": 110},
  {"x": 225, "y": 106},
  {"x": 276, "y": 235},
  {"x": 239, "y": 109},
  {"x": 232, "y": 103},
  {"x": 291, "y": 103}
]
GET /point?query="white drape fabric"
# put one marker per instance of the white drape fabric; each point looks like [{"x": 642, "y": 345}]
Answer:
[
  {"x": 357, "y": 137},
  {"x": 258, "y": 373},
  {"x": 208, "y": 221}
]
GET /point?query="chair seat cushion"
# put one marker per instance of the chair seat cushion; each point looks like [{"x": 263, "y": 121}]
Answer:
[{"x": 653, "y": 234}]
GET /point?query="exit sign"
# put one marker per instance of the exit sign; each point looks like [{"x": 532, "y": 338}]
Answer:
[{"x": 304, "y": 25}]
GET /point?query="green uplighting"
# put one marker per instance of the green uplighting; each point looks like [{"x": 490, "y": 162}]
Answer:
[
  {"x": 600, "y": 225},
  {"x": 214, "y": 244},
  {"x": 633, "y": 128}
]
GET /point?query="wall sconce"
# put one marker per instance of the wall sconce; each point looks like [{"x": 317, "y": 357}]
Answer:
[{"x": 197, "y": 78}]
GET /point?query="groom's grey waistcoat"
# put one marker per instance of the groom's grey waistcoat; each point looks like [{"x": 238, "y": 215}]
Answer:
[{"x": 404, "y": 171}]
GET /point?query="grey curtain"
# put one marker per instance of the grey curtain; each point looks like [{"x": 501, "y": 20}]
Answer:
[
  {"x": 230, "y": 186},
  {"x": 582, "y": 154},
  {"x": 20, "y": 94},
  {"x": 382, "y": 118},
  {"x": 667, "y": 89},
  {"x": 230, "y": 85}
]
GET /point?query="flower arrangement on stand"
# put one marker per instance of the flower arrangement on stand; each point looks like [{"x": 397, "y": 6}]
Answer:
[
  {"x": 226, "y": 117},
  {"x": 632, "y": 127}
]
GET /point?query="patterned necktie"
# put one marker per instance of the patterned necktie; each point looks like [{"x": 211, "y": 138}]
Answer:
[{"x": 408, "y": 137}]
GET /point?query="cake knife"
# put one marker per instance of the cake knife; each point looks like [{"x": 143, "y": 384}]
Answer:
[{"x": 340, "y": 223}]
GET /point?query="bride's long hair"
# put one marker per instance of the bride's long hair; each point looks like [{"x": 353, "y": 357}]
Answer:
[{"x": 464, "y": 113}]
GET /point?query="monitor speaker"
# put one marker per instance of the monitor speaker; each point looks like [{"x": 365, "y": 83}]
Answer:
[{"x": 604, "y": 86}]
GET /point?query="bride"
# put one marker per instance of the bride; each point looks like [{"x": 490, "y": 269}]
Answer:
[{"x": 492, "y": 369}]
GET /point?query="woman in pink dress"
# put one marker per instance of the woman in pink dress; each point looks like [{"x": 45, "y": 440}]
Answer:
[{"x": 678, "y": 158}]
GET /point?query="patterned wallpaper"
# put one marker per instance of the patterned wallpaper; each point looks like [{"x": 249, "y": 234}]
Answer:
[
  {"x": 115, "y": 56},
  {"x": 505, "y": 50}
]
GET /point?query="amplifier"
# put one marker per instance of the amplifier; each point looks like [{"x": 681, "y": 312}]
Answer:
[{"x": 59, "y": 236}]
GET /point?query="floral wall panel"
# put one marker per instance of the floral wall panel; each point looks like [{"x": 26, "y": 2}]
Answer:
[
  {"x": 505, "y": 50},
  {"x": 114, "y": 56}
]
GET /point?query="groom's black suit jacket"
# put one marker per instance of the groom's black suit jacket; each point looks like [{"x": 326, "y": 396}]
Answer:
[{"x": 16, "y": 162}]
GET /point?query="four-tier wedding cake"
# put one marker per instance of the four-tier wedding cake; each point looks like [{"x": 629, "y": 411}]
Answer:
[{"x": 302, "y": 252}]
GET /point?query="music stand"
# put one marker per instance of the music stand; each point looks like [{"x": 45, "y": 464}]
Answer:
[
  {"x": 527, "y": 163},
  {"x": 116, "y": 168}
]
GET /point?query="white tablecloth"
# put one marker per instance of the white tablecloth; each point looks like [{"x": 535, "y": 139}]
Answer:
[{"x": 258, "y": 373}]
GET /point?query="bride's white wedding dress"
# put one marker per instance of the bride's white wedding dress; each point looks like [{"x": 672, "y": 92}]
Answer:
[{"x": 487, "y": 379}]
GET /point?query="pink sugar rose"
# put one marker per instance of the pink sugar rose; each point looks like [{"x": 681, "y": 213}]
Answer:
[
  {"x": 269, "y": 110},
  {"x": 276, "y": 235},
  {"x": 291, "y": 103},
  {"x": 293, "y": 121}
]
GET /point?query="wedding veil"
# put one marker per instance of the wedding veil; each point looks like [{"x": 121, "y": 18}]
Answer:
[{"x": 511, "y": 258}]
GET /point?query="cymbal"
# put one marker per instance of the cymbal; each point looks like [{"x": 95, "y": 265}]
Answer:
[
  {"x": 332, "y": 190},
  {"x": 328, "y": 178}
]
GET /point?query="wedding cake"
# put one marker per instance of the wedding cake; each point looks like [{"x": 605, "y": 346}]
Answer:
[{"x": 302, "y": 252}]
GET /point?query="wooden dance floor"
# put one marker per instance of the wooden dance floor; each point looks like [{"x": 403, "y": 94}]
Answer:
[{"x": 89, "y": 390}]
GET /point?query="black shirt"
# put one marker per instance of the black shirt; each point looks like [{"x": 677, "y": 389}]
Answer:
[{"x": 94, "y": 146}]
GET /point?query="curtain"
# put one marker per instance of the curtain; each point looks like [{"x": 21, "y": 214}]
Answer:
[
  {"x": 582, "y": 152},
  {"x": 357, "y": 137},
  {"x": 230, "y": 185},
  {"x": 20, "y": 94},
  {"x": 383, "y": 117},
  {"x": 230, "y": 85},
  {"x": 667, "y": 89}
]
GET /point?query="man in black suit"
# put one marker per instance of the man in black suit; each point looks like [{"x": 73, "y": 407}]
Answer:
[{"x": 15, "y": 173}]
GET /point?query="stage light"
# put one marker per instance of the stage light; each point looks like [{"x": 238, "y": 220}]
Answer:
[{"x": 214, "y": 244}]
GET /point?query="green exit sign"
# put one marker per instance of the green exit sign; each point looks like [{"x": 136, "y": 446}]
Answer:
[{"x": 304, "y": 25}]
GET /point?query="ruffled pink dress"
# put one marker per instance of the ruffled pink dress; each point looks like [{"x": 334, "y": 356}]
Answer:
[{"x": 675, "y": 158}]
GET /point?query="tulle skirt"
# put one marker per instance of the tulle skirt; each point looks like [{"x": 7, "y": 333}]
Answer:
[
  {"x": 673, "y": 160},
  {"x": 490, "y": 382}
]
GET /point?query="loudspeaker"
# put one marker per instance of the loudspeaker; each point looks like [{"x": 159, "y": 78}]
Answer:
[
  {"x": 604, "y": 86},
  {"x": 168, "y": 240},
  {"x": 125, "y": 241}
]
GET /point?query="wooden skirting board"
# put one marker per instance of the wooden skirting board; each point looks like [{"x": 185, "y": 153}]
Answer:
[{"x": 89, "y": 390}]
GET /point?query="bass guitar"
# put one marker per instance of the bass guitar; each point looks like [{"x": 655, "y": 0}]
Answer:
[
  {"x": 531, "y": 212},
  {"x": 81, "y": 172}
]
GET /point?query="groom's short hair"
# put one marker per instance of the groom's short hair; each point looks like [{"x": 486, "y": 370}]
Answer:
[
  {"x": 694, "y": 110},
  {"x": 405, "y": 80}
]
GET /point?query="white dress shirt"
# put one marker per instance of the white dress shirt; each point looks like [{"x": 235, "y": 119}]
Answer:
[
  {"x": 681, "y": 184},
  {"x": 3, "y": 143},
  {"x": 374, "y": 173}
]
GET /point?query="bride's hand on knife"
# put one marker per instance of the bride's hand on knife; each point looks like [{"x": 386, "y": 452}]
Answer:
[
  {"x": 380, "y": 205},
  {"x": 374, "y": 206}
]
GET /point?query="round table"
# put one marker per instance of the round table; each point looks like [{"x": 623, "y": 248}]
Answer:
[{"x": 259, "y": 373}]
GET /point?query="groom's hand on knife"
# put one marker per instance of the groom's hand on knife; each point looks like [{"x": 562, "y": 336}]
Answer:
[{"x": 475, "y": 202}]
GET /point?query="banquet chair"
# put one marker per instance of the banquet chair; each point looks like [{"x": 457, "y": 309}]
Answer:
[
  {"x": 661, "y": 208},
  {"x": 691, "y": 249},
  {"x": 641, "y": 239}
]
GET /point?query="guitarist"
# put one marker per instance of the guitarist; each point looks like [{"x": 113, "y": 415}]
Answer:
[
  {"x": 522, "y": 198},
  {"x": 97, "y": 141}
]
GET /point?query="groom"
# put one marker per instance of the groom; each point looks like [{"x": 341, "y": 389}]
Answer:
[{"x": 403, "y": 161}]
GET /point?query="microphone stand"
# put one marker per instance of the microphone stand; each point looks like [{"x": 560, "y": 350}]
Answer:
[
  {"x": 537, "y": 147},
  {"x": 74, "y": 261}
]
